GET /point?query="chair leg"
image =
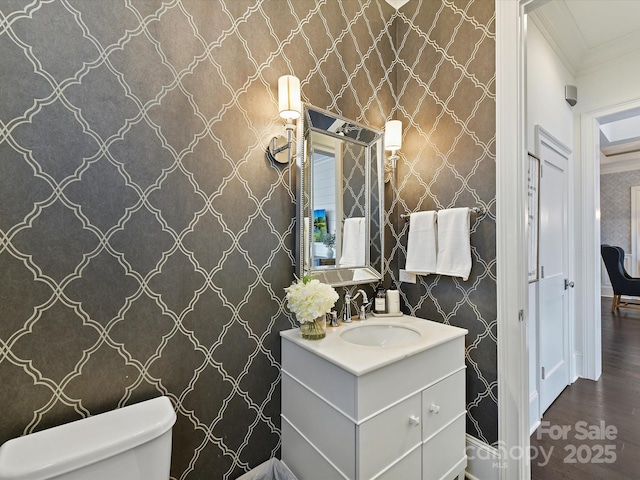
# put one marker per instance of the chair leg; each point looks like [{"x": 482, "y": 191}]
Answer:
[{"x": 613, "y": 303}]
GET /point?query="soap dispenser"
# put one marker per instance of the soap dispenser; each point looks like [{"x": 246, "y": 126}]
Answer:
[{"x": 380, "y": 304}]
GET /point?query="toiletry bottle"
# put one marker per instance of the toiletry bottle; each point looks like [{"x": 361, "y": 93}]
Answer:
[
  {"x": 381, "y": 300},
  {"x": 393, "y": 301}
]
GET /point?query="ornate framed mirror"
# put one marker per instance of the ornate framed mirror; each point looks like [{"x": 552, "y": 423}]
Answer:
[{"x": 340, "y": 201}]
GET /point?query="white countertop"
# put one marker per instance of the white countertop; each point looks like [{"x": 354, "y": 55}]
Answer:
[{"x": 360, "y": 359}]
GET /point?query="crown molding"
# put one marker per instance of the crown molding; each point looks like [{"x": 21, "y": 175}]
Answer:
[
  {"x": 559, "y": 28},
  {"x": 619, "y": 163},
  {"x": 566, "y": 42}
]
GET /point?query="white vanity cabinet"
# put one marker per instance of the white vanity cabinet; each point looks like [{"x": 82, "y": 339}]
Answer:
[{"x": 369, "y": 412}]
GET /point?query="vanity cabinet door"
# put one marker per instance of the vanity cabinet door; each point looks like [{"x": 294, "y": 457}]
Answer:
[
  {"x": 443, "y": 428},
  {"x": 408, "y": 468},
  {"x": 388, "y": 436},
  {"x": 443, "y": 454},
  {"x": 442, "y": 403}
]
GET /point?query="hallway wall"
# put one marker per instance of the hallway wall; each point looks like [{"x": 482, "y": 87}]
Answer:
[
  {"x": 615, "y": 208},
  {"x": 546, "y": 106}
]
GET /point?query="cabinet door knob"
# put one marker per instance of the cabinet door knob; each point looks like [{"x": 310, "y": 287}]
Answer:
[
  {"x": 434, "y": 408},
  {"x": 413, "y": 420}
]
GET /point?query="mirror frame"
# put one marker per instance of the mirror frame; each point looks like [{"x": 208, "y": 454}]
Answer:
[{"x": 338, "y": 276}]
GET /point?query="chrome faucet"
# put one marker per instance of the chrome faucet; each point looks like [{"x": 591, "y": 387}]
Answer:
[
  {"x": 346, "y": 313},
  {"x": 363, "y": 306},
  {"x": 348, "y": 299}
]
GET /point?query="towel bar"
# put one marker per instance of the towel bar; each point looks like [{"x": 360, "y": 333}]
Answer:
[{"x": 480, "y": 211}]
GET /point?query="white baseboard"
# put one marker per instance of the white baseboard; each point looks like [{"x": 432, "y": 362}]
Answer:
[
  {"x": 483, "y": 461},
  {"x": 534, "y": 412},
  {"x": 578, "y": 362},
  {"x": 607, "y": 292}
]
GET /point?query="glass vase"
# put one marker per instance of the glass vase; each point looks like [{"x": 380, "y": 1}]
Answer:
[{"x": 314, "y": 330}]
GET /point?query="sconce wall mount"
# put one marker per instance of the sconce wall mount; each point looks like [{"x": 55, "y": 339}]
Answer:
[{"x": 280, "y": 149}]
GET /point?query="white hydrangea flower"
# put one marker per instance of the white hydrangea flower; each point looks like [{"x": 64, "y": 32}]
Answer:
[{"x": 310, "y": 299}]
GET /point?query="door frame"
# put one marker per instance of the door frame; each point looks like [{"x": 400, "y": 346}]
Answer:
[
  {"x": 588, "y": 268},
  {"x": 511, "y": 245}
]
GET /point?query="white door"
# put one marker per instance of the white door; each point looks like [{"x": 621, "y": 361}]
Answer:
[{"x": 554, "y": 283}]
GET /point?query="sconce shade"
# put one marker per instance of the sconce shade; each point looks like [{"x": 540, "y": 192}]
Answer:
[
  {"x": 289, "y": 103},
  {"x": 393, "y": 135}
]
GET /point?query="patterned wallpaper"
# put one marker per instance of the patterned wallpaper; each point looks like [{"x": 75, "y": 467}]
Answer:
[
  {"x": 615, "y": 207},
  {"x": 353, "y": 180},
  {"x": 446, "y": 102},
  {"x": 144, "y": 239},
  {"x": 355, "y": 196}
]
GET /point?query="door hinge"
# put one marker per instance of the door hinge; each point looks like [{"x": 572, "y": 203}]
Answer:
[
  {"x": 542, "y": 272},
  {"x": 542, "y": 372},
  {"x": 541, "y": 170},
  {"x": 521, "y": 315}
]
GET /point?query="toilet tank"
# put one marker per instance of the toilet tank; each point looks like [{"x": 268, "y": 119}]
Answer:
[{"x": 130, "y": 443}]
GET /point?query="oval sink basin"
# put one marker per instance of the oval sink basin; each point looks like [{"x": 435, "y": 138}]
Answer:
[{"x": 380, "y": 335}]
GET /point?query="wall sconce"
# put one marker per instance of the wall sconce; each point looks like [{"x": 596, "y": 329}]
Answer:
[
  {"x": 393, "y": 143},
  {"x": 290, "y": 108}
]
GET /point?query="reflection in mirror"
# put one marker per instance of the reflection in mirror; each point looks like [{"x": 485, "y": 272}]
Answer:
[{"x": 339, "y": 200}]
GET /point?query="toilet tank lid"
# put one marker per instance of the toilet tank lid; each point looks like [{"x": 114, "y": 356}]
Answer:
[{"x": 77, "y": 444}]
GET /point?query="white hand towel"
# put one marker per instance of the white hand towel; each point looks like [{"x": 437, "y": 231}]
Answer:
[
  {"x": 421, "y": 244},
  {"x": 305, "y": 242},
  {"x": 353, "y": 243},
  {"x": 454, "y": 246}
]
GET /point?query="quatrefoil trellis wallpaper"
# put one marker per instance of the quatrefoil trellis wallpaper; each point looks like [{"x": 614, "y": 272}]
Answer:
[
  {"x": 446, "y": 97},
  {"x": 145, "y": 241}
]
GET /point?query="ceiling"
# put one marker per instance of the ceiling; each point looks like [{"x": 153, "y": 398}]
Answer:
[{"x": 588, "y": 35}]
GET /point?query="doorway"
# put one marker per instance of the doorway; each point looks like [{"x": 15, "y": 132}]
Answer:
[{"x": 588, "y": 265}]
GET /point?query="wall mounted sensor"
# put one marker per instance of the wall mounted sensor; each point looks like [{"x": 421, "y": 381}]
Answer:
[{"x": 571, "y": 94}]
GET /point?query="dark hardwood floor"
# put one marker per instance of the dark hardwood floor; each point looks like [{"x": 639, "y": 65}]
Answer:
[{"x": 608, "y": 410}]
